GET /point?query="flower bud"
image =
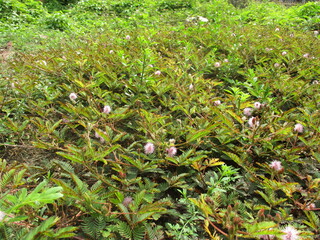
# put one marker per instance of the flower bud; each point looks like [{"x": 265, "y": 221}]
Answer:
[
  {"x": 217, "y": 64},
  {"x": 253, "y": 122},
  {"x": 257, "y": 105},
  {"x": 158, "y": 73},
  {"x": 217, "y": 103},
  {"x": 2, "y": 215}
]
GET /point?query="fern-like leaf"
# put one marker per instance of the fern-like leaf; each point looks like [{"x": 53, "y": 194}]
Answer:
[
  {"x": 138, "y": 232},
  {"x": 43, "y": 227},
  {"x": 6, "y": 178},
  {"x": 93, "y": 226},
  {"x": 124, "y": 230}
]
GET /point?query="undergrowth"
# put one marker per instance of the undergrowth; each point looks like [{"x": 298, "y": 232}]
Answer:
[{"x": 188, "y": 126}]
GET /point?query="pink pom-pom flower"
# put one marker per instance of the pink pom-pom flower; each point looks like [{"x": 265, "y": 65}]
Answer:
[
  {"x": 106, "y": 109},
  {"x": 247, "y": 111},
  {"x": 172, "y": 151},
  {"x": 290, "y": 233},
  {"x": 73, "y": 96},
  {"x": 298, "y": 128},
  {"x": 276, "y": 165},
  {"x": 149, "y": 148}
]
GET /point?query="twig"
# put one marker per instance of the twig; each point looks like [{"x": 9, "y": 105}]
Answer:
[
  {"x": 13, "y": 145},
  {"x": 218, "y": 229}
]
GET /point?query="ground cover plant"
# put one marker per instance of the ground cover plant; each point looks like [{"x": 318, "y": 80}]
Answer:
[{"x": 159, "y": 120}]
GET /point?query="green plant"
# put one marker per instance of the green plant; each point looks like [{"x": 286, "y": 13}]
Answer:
[
  {"x": 20, "y": 207},
  {"x": 227, "y": 101},
  {"x": 173, "y": 5},
  {"x": 308, "y": 10},
  {"x": 125, "y": 8},
  {"x": 187, "y": 225},
  {"x": 57, "y": 21}
]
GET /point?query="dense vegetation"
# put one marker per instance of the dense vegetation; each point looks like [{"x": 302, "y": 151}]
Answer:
[{"x": 159, "y": 120}]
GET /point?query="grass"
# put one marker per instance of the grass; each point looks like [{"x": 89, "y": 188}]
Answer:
[{"x": 159, "y": 120}]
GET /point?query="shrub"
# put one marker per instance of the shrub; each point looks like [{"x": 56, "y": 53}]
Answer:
[
  {"x": 239, "y": 3},
  {"x": 57, "y": 21},
  {"x": 174, "y": 5},
  {"x": 62, "y": 2},
  {"x": 100, "y": 7},
  {"x": 162, "y": 128},
  {"x": 16, "y": 11},
  {"x": 125, "y": 8},
  {"x": 308, "y": 10}
]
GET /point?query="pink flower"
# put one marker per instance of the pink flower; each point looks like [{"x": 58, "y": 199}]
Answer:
[
  {"x": 310, "y": 206},
  {"x": 269, "y": 49},
  {"x": 253, "y": 122},
  {"x": 298, "y": 128},
  {"x": 126, "y": 201},
  {"x": 64, "y": 120},
  {"x": 316, "y": 33},
  {"x": 149, "y": 148},
  {"x": 276, "y": 65},
  {"x": 291, "y": 35},
  {"x": 172, "y": 151},
  {"x": 247, "y": 111},
  {"x": 217, "y": 103},
  {"x": 226, "y": 60},
  {"x": 191, "y": 86},
  {"x": 128, "y": 37},
  {"x": 73, "y": 96},
  {"x": 306, "y": 55},
  {"x": 111, "y": 52},
  {"x": 158, "y": 73},
  {"x": 277, "y": 29},
  {"x": 97, "y": 135},
  {"x": 290, "y": 233},
  {"x": 257, "y": 105},
  {"x": 217, "y": 64},
  {"x": 284, "y": 53},
  {"x": 101, "y": 139},
  {"x": 106, "y": 109},
  {"x": 2, "y": 215},
  {"x": 276, "y": 165}
]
